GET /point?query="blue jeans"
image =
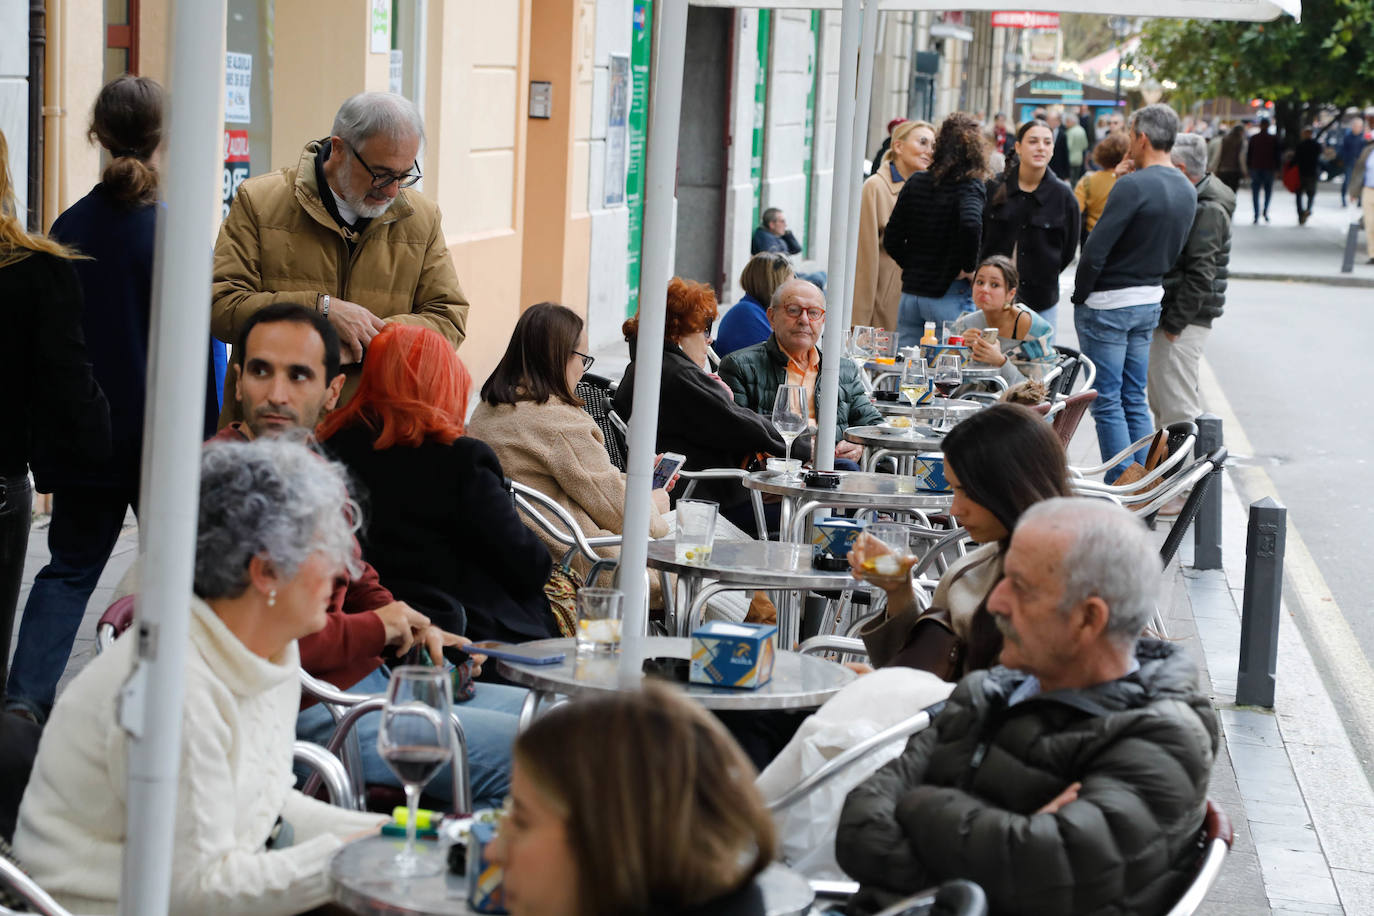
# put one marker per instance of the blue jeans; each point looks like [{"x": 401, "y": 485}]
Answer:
[
  {"x": 1118, "y": 342},
  {"x": 1051, "y": 315},
  {"x": 85, "y": 526},
  {"x": 914, "y": 311},
  {"x": 1261, "y": 178},
  {"x": 489, "y": 723}
]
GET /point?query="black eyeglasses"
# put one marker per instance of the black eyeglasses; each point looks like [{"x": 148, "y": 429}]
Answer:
[
  {"x": 586, "y": 360},
  {"x": 381, "y": 178}
]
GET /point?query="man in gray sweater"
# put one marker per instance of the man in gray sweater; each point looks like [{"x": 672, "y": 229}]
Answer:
[{"x": 1119, "y": 285}]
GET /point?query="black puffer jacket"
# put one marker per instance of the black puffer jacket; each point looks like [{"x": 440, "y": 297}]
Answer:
[
  {"x": 934, "y": 232},
  {"x": 1195, "y": 287},
  {"x": 961, "y": 800}
]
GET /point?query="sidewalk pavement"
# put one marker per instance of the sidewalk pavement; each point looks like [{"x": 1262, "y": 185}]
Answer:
[
  {"x": 1282, "y": 250},
  {"x": 1289, "y": 779}
]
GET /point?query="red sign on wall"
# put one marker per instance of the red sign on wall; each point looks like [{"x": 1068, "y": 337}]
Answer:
[
  {"x": 236, "y": 146},
  {"x": 235, "y": 166},
  {"x": 1015, "y": 19}
]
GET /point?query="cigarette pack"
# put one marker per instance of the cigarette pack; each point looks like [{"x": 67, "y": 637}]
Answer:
[
  {"x": 486, "y": 893},
  {"x": 728, "y": 654}
]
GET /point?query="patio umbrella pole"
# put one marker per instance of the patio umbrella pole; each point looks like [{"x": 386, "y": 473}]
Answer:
[
  {"x": 150, "y": 701},
  {"x": 867, "y": 50},
  {"x": 836, "y": 279},
  {"x": 656, "y": 260}
]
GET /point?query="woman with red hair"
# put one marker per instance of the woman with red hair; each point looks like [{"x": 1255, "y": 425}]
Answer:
[
  {"x": 438, "y": 512},
  {"x": 697, "y": 414}
]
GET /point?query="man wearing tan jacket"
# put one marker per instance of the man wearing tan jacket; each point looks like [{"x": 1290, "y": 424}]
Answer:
[{"x": 337, "y": 233}]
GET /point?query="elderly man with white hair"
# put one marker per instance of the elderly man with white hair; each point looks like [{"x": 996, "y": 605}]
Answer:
[
  {"x": 1071, "y": 779},
  {"x": 1194, "y": 290},
  {"x": 340, "y": 234}
]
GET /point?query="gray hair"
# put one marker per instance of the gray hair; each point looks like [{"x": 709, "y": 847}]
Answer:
[
  {"x": 1070, "y": 120},
  {"x": 781, "y": 292},
  {"x": 1109, "y": 556},
  {"x": 1158, "y": 123},
  {"x": 369, "y": 114},
  {"x": 1190, "y": 154},
  {"x": 272, "y": 497}
]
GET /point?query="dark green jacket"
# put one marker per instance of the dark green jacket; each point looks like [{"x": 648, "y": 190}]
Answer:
[
  {"x": 1195, "y": 288},
  {"x": 960, "y": 801},
  {"x": 755, "y": 373}
]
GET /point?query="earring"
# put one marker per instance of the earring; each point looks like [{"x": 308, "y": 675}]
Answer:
[{"x": 272, "y": 598}]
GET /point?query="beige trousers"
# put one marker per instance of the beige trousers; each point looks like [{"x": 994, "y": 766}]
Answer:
[
  {"x": 1367, "y": 202},
  {"x": 1172, "y": 386}
]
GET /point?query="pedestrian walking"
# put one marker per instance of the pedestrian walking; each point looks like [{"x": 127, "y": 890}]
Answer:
[
  {"x": 56, "y": 418},
  {"x": 936, "y": 229},
  {"x": 1120, "y": 279},
  {"x": 1308, "y": 158},
  {"x": 1364, "y": 172},
  {"x": 114, "y": 228},
  {"x": 1092, "y": 189},
  {"x": 877, "y": 278},
  {"x": 1194, "y": 291},
  {"x": 1352, "y": 141},
  {"x": 1261, "y": 160},
  {"x": 1033, "y": 218},
  {"x": 1076, "y": 139}
]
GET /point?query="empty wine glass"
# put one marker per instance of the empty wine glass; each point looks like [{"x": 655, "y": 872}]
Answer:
[
  {"x": 948, "y": 376},
  {"x": 914, "y": 383},
  {"x": 789, "y": 414},
  {"x": 415, "y": 740}
]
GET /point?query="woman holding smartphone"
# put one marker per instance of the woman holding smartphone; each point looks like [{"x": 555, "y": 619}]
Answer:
[{"x": 1001, "y": 326}]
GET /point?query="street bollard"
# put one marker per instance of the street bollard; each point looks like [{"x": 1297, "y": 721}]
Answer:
[
  {"x": 1352, "y": 241},
  {"x": 1259, "y": 617},
  {"x": 1207, "y": 525}
]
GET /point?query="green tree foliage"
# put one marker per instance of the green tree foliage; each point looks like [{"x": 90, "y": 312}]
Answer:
[
  {"x": 1085, "y": 35},
  {"x": 1326, "y": 59}
]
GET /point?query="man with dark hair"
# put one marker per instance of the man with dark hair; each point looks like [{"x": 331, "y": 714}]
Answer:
[
  {"x": 772, "y": 234},
  {"x": 286, "y": 377},
  {"x": 1308, "y": 158},
  {"x": 1261, "y": 160},
  {"x": 338, "y": 234},
  {"x": 1120, "y": 280},
  {"x": 1070, "y": 779}
]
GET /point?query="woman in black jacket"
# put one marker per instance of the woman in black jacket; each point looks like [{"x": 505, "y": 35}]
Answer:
[
  {"x": 697, "y": 413},
  {"x": 1033, "y": 218},
  {"x": 437, "y": 513},
  {"x": 935, "y": 230}
]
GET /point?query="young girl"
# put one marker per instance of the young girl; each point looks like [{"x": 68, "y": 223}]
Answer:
[{"x": 994, "y": 292}]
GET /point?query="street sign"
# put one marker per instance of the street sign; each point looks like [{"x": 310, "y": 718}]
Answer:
[{"x": 1009, "y": 19}]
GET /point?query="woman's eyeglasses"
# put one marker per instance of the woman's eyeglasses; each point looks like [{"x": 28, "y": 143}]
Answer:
[{"x": 586, "y": 360}]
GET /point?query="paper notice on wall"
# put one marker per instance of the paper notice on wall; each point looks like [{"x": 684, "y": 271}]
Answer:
[
  {"x": 381, "y": 26},
  {"x": 238, "y": 85},
  {"x": 397, "y": 62},
  {"x": 617, "y": 132}
]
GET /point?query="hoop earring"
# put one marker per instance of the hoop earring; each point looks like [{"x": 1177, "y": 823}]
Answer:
[{"x": 272, "y": 598}]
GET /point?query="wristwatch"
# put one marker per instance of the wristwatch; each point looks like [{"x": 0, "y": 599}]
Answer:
[{"x": 324, "y": 305}]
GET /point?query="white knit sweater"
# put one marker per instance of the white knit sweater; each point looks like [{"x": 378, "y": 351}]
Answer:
[{"x": 235, "y": 778}]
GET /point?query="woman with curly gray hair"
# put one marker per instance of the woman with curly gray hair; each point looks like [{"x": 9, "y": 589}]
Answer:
[{"x": 274, "y": 533}]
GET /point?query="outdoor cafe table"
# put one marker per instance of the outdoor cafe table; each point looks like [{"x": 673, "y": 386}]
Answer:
[
  {"x": 361, "y": 881},
  {"x": 739, "y": 566},
  {"x": 799, "y": 681},
  {"x": 903, "y": 443},
  {"x": 857, "y": 490},
  {"x": 958, "y": 408}
]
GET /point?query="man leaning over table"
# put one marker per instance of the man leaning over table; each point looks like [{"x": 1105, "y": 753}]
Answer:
[
  {"x": 790, "y": 357},
  {"x": 338, "y": 233},
  {"x": 285, "y": 375},
  {"x": 1072, "y": 779}
]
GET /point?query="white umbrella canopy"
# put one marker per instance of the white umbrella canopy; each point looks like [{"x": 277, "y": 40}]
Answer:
[
  {"x": 665, "y": 99},
  {"x": 1251, "y": 10}
]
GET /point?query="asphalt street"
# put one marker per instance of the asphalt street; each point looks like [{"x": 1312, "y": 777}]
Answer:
[{"x": 1293, "y": 361}]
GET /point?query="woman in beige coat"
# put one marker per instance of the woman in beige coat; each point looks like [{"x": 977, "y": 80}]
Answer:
[
  {"x": 534, "y": 422},
  {"x": 877, "y": 278}
]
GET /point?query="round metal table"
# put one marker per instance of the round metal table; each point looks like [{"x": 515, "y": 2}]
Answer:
[
  {"x": 359, "y": 882},
  {"x": 958, "y": 409},
  {"x": 900, "y": 442},
  {"x": 799, "y": 681},
  {"x": 741, "y": 566}
]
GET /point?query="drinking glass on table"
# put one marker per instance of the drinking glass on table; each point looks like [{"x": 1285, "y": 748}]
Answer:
[
  {"x": 884, "y": 549},
  {"x": 696, "y": 530},
  {"x": 599, "y": 614},
  {"x": 914, "y": 383},
  {"x": 789, "y": 414},
  {"x": 416, "y": 740},
  {"x": 948, "y": 376}
]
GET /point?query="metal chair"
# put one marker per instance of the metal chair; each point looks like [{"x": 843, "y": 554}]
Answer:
[
  {"x": 1191, "y": 507},
  {"x": 953, "y": 898},
  {"x": 1214, "y": 842},
  {"x": 535, "y": 503},
  {"x": 34, "y": 899},
  {"x": 1074, "y": 365},
  {"x": 1180, "y": 439},
  {"x": 595, "y": 393},
  {"x": 1070, "y": 412},
  {"x": 738, "y": 474}
]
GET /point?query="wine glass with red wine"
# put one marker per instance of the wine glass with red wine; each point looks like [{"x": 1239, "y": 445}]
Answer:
[
  {"x": 416, "y": 740},
  {"x": 948, "y": 377}
]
